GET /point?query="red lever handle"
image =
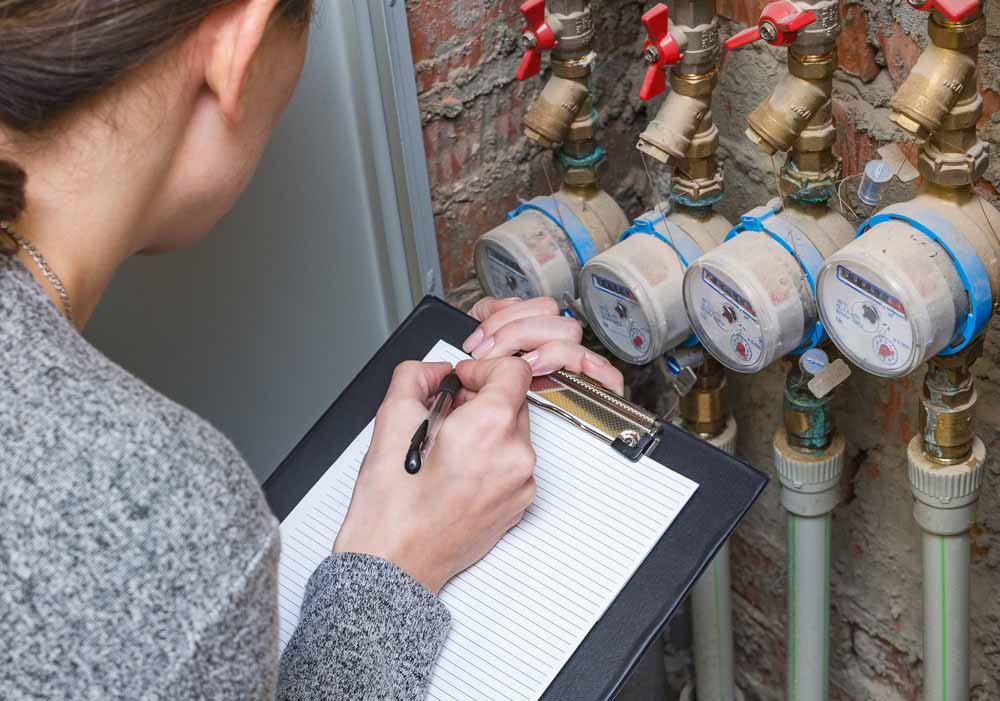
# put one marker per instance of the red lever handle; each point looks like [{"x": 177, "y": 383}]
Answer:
[
  {"x": 660, "y": 50},
  {"x": 778, "y": 25},
  {"x": 953, "y": 10},
  {"x": 537, "y": 37}
]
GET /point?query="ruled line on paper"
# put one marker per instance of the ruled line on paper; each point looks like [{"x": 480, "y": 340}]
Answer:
[{"x": 521, "y": 612}]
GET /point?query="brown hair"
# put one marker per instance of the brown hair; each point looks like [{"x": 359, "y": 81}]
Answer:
[{"x": 54, "y": 54}]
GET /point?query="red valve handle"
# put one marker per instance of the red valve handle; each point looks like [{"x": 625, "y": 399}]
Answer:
[
  {"x": 953, "y": 10},
  {"x": 778, "y": 25},
  {"x": 660, "y": 50},
  {"x": 537, "y": 37}
]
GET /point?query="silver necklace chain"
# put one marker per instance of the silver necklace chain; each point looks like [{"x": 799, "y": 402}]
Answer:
[{"x": 43, "y": 265}]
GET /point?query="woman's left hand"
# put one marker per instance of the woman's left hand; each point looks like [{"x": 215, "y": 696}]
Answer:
[{"x": 549, "y": 340}]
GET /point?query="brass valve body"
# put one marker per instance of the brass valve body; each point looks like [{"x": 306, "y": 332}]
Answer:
[
  {"x": 800, "y": 100},
  {"x": 939, "y": 103},
  {"x": 947, "y": 406},
  {"x": 704, "y": 410}
]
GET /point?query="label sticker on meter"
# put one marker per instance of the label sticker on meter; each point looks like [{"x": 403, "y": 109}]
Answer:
[
  {"x": 619, "y": 316},
  {"x": 505, "y": 277},
  {"x": 869, "y": 322},
  {"x": 728, "y": 319}
]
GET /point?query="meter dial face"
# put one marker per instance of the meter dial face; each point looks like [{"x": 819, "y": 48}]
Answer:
[
  {"x": 724, "y": 319},
  {"x": 868, "y": 322},
  {"x": 614, "y": 310},
  {"x": 503, "y": 277}
]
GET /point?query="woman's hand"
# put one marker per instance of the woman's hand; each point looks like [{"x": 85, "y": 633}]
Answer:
[
  {"x": 549, "y": 340},
  {"x": 475, "y": 484}
]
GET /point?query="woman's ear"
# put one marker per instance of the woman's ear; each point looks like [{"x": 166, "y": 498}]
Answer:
[{"x": 233, "y": 35}]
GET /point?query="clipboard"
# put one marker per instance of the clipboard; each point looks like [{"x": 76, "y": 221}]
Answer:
[{"x": 728, "y": 487}]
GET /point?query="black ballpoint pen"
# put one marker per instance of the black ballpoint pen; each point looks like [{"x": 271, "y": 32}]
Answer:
[{"x": 424, "y": 436}]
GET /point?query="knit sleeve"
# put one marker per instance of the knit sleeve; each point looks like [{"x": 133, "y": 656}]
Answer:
[{"x": 367, "y": 629}]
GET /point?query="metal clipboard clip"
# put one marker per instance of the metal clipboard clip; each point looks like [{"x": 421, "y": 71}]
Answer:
[{"x": 629, "y": 429}]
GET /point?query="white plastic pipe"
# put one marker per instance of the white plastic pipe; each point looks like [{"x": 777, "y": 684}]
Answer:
[
  {"x": 944, "y": 504},
  {"x": 808, "y": 607},
  {"x": 946, "y": 616},
  {"x": 712, "y": 617},
  {"x": 810, "y": 491},
  {"x": 712, "y": 625}
]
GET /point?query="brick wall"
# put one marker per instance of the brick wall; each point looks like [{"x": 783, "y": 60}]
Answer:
[{"x": 465, "y": 53}]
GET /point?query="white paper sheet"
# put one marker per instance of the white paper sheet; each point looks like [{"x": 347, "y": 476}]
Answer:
[{"x": 518, "y": 614}]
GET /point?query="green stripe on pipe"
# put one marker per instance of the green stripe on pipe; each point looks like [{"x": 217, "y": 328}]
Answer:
[{"x": 944, "y": 626}]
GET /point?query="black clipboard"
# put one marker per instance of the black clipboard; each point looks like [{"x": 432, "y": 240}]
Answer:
[{"x": 728, "y": 487}]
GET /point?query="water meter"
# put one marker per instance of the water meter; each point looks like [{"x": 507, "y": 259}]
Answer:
[
  {"x": 541, "y": 248},
  {"x": 631, "y": 293},
  {"x": 917, "y": 282},
  {"x": 752, "y": 299}
]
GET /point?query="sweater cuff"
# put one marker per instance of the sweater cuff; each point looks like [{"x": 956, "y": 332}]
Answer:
[{"x": 385, "y": 610}]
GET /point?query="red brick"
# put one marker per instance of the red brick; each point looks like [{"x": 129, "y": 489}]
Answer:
[
  {"x": 901, "y": 52},
  {"x": 855, "y": 53},
  {"x": 855, "y": 147}
]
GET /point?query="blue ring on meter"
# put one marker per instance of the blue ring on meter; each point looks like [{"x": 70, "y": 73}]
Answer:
[
  {"x": 686, "y": 248},
  {"x": 562, "y": 216},
  {"x": 762, "y": 220},
  {"x": 971, "y": 271}
]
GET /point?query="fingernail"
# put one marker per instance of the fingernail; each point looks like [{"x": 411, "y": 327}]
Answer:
[
  {"x": 531, "y": 359},
  {"x": 483, "y": 348},
  {"x": 474, "y": 340},
  {"x": 596, "y": 359}
]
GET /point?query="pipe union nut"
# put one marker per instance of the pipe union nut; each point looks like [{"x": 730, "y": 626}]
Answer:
[
  {"x": 953, "y": 170},
  {"x": 698, "y": 189}
]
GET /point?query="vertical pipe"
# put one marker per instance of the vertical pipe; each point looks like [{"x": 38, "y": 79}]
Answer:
[
  {"x": 712, "y": 614},
  {"x": 712, "y": 617},
  {"x": 810, "y": 481},
  {"x": 808, "y": 607},
  {"x": 946, "y": 616}
]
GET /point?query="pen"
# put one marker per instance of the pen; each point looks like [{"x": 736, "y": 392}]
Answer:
[{"x": 425, "y": 434}]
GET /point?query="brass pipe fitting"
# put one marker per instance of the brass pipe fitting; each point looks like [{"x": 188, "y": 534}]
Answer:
[
  {"x": 683, "y": 134},
  {"x": 554, "y": 111},
  {"x": 947, "y": 407},
  {"x": 669, "y": 135},
  {"x": 808, "y": 421},
  {"x": 565, "y": 100},
  {"x": 704, "y": 410},
  {"x": 943, "y": 77},
  {"x": 799, "y": 100}
]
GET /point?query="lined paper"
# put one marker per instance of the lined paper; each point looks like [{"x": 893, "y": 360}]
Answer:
[{"x": 518, "y": 614}]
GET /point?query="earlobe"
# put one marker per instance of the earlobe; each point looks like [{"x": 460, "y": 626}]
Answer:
[{"x": 234, "y": 36}]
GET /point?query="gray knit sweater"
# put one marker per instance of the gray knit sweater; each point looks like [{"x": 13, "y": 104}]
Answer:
[{"x": 138, "y": 557}]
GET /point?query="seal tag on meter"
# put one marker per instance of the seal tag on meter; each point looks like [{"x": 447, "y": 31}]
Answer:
[{"x": 824, "y": 375}]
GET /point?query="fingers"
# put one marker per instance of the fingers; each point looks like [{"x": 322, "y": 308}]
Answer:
[
  {"x": 528, "y": 334},
  {"x": 488, "y": 306},
  {"x": 416, "y": 381},
  {"x": 558, "y": 355},
  {"x": 503, "y": 312},
  {"x": 405, "y": 403},
  {"x": 505, "y": 380}
]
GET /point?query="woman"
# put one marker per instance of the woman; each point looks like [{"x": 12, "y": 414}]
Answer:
[{"x": 137, "y": 555}]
